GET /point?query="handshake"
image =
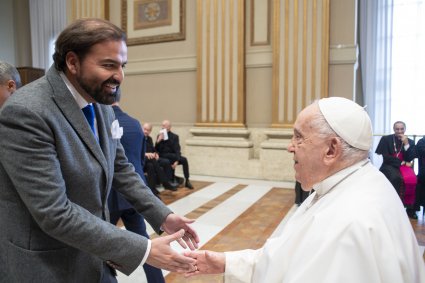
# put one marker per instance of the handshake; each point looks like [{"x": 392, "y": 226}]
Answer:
[{"x": 191, "y": 262}]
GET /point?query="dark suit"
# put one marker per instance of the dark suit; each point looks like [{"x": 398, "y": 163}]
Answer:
[
  {"x": 391, "y": 164},
  {"x": 170, "y": 149},
  {"x": 133, "y": 142},
  {"x": 55, "y": 178},
  {"x": 158, "y": 171}
]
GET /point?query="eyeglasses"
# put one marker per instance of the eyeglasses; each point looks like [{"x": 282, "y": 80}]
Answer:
[{"x": 298, "y": 139}]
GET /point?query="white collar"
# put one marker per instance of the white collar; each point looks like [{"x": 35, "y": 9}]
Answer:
[
  {"x": 329, "y": 183},
  {"x": 77, "y": 96}
]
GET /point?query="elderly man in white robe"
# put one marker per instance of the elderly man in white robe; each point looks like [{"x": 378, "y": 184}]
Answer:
[{"x": 353, "y": 228}]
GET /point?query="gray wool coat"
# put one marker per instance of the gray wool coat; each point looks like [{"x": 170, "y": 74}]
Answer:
[{"x": 55, "y": 178}]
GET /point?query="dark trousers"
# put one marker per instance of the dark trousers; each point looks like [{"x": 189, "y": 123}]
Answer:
[
  {"x": 134, "y": 222},
  {"x": 181, "y": 161},
  {"x": 158, "y": 171},
  {"x": 108, "y": 275}
]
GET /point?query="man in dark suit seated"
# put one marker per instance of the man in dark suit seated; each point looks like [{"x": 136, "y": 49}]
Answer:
[
  {"x": 168, "y": 146},
  {"x": 158, "y": 169},
  {"x": 398, "y": 152}
]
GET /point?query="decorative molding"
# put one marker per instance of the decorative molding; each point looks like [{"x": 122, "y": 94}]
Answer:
[
  {"x": 220, "y": 137},
  {"x": 259, "y": 59},
  {"x": 161, "y": 65},
  {"x": 343, "y": 54}
]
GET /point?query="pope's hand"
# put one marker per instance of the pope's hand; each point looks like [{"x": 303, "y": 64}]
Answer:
[{"x": 207, "y": 262}]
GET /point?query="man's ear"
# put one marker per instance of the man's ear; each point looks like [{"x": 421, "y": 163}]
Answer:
[
  {"x": 11, "y": 86},
  {"x": 334, "y": 150},
  {"x": 72, "y": 62}
]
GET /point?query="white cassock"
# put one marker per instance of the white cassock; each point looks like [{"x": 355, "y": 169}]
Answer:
[{"x": 354, "y": 228}]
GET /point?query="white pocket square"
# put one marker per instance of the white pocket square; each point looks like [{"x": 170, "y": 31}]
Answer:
[{"x": 116, "y": 130}]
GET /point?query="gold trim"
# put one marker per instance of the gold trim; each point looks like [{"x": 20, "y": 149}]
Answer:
[
  {"x": 295, "y": 67},
  {"x": 208, "y": 94},
  {"x": 180, "y": 35},
  {"x": 304, "y": 57},
  {"x": 314, "y": 50},
  {"x": 199, "y": 61},
  {"x": 325, "y": 49},
  {"x": 231, "y": 63},
  {"x": 252, "y": 25},
  {"x": 209, "y": 124},
  {"x": 106, "y": 9},
  {"x": 284, "y": 125},
  {"x": 215, "y": 118},
  {"x": 276, "y": 60},
  {"x": 241, "y": 62},
  {"x": 223, "y": 56},
  {"x": 286, "y": 65}
]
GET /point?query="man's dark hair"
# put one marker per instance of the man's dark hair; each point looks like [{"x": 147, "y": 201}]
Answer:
[
  {"x": 400, "y": 122},
  {"x": 81, "y": 35}
]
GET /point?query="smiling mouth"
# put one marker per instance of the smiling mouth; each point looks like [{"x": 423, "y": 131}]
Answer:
[{"x": 112, "y": 87}]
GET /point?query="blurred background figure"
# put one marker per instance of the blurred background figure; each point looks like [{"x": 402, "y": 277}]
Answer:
[{"x": 10, "y": 81}]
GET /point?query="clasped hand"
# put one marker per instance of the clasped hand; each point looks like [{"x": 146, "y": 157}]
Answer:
[{"x": 163, "y": 256}]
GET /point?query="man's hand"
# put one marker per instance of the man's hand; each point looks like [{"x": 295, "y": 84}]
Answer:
[
  {"x": 160, "y": 137},
  {"x": 174, "y": 165},
  {"x": 404, "y": 139},
  {"x": 174, "y": 223},
  {"x": 164, "y": 257},
  {"x": 150, "y": 155},
  {"x": 207, "y": 262}
]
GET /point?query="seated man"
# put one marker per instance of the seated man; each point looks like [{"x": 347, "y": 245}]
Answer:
[
  {"x": 158, "y": 169},
  {"x": 398, "y": 152},
  {"x": 168, "y": 146}
]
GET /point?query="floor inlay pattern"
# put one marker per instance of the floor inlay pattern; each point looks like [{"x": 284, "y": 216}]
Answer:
[{"x": 249, "y": 230}]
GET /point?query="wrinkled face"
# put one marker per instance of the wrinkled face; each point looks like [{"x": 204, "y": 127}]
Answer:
[
  {"x": 399, "y": 129},
  {"x": 308, "y": 149},
  {"x": 147, "y": 130},
  {"x": 100, "y": 73}
]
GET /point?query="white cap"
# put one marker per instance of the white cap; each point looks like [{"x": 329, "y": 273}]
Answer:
[{"x": 349, "y": 120}]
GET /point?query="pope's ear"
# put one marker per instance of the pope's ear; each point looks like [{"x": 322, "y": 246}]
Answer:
[{"x": 334, "y": 150}]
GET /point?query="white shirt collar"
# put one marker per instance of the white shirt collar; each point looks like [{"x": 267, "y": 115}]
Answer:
[{"x": 77, "y": 96}]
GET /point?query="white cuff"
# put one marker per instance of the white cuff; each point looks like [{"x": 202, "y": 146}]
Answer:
[{"x": 148, "y": 250}]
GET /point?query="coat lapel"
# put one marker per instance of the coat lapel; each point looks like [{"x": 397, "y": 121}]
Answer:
[{"x": 69, "y": 107}]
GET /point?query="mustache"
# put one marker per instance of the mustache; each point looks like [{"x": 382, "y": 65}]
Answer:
[{"x": 111, "y": 81}]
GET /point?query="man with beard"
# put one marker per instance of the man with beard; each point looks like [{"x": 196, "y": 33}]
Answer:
[
  {"x": 57, "y": 168},
  {"x": 352, "y": 228}
]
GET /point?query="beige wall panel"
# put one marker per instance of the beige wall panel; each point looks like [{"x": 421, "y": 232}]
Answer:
[
  {"x": 343, "y": 22},
  {"x": 258, "y": 97},
  {"x": 342, "y": 81},
  {"x": 155, "y": 97}
]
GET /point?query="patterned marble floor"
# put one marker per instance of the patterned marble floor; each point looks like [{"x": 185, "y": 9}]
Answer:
[{"x": 233, "y": 214}]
